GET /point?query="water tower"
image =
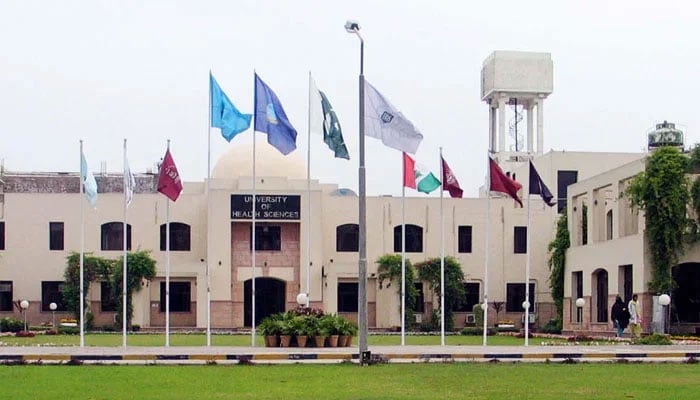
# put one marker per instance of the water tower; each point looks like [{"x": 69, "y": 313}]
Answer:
[
  {"x": 665, "y": 134},
  {"x": 513, "y": 82}
]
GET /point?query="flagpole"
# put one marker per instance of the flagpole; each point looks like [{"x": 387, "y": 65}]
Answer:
[
  {"x": 252, "y": 320},
  {"x": 485, "y": 306},
  {"x": 403, "y": 253},
  {"x": 167, "y": 268},
  {"x": 124, "y": 270},
  {"x": 82, "y": 246},
  {"x": 209, "y": 220},
  {"x": 527, "y": 274},
  {"x": 308, "y": 202},
  {"x": 442, "y": 255}
]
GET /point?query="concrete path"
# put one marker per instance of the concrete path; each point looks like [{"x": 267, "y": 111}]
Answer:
[{"x": 223, "y": 354}]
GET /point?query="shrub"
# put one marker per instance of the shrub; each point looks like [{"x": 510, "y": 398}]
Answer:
[
  {"x": 653, "y": 339},
  {"x": 51, "y": 332},
  {"x": 25, "y": 334},
  {"x": 9, "y": 324},
  {"x": 476, "y": 331},
  {"x": 68, "y": 330},
  {"x": 553, "y": 326}
]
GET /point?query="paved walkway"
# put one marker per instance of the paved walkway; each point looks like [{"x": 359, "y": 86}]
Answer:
[{"x": 223, "y": 354}]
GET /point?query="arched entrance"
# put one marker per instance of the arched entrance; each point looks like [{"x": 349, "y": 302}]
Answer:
[
  {"x": 600, "y": 295},
  {"x": 269, "y": 298},
  {"x": 686, "y": 296}
]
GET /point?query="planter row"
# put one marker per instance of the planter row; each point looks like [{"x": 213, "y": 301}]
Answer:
[{"x": 308, "y": 341}]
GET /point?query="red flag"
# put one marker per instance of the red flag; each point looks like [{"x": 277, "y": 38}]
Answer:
[
  {"x": 409, "y": 172},
  {"x": 502, "y": 183},
  {"x": 449, "y": 181},
  {"x": 169, "y": 182}
]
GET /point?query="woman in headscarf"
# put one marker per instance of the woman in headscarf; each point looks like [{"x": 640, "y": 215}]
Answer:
[{"x": 620, "y": 316}]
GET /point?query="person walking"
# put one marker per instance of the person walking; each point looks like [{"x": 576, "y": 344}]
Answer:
[
  {"x": 620, "y": 316},
  {"x": 635, "y": 317}
]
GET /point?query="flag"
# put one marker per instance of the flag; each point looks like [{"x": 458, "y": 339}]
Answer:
[
  {"x": 537, "y": 186},
  {"x": 129, "y": 183},
  {"x": 271, "y": 119},
  {"x": 88, "y": 181},
  {"x": 449, "y": 180},
  {"x": 502, "y": 183},
  {"x": 324, "y": 120},
  {"x": 224, "y": 114},
  {"x": 169, "y": 182},
  {"x": 416, "y": 176},
  {"x": 383, "y": 121}
]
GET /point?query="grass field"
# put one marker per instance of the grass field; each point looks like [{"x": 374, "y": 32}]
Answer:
[
  {"x": 394, "y": 381},
  {"x": 115, "y": 339}
]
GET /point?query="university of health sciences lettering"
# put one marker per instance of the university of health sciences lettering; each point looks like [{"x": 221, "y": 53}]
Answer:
[{"x": 272, "y": 207}]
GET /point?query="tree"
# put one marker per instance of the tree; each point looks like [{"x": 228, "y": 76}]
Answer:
[
  {"x": 94, "y": 269},
  {"x": 140, "y": 266},
  {"x": 662, "y": 192},
  {"x": 557, "y": 262},
  {"x": 390, "y": 270},
  {"x": 429, "y": 271}
]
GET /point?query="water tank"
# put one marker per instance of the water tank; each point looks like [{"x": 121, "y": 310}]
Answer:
[{"x": 665, "y": 134}]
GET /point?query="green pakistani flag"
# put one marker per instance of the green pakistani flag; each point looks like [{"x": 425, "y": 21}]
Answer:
[{"x": 323, "y": 119}]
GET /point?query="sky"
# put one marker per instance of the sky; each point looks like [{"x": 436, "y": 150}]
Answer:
[{"x": 104, "y": 71}]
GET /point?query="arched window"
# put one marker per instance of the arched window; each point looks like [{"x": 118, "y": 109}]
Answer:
[
  {"x": 112, "y": 236},
  {"x": 414, "y": 239},
  {"x": 609, "y": 225},
  {"x": 179, "y": 237},
  {"x": 347, "y": 237}
]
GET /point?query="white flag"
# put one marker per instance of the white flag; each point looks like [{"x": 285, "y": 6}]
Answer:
[
  {"x": 88, "y": 181},
  {"x": 383, "y": 121},
  {"x": 129, "y": 183}
]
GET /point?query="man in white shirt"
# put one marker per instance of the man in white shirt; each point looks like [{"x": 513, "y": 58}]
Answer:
[{"x": 635, "y": 317}]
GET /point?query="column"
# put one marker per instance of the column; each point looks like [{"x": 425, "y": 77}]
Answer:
[
  {"x": 540, "y": 125},
  {"x": 492, "y": 127},
  {"x": 530, "y": 122},
  {"x": 502, "y": 123}
]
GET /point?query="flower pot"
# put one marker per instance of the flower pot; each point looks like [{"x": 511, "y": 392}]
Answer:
[
  {"x": 301, "y": 340},
  {"x": 333, "y": 340},
  {"x": 342, "y": 340},
  {"x": 285, "y": 340},
  {"x": 319, "y": 341},
  {"x": 348, "y": 343},
  {"x": 271, "y": 341}
]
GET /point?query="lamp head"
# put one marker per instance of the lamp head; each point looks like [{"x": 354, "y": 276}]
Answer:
[
  {"x": 53, "y": 306},
  {"x": 352, "y": 26},
  {"x": 301, "y": 299},
  {"x": 526, "y": 305},
  {"x": 664, "y": 299},
  {"x": 24, "y": 304},
  {"x": 580, "y": 302}
]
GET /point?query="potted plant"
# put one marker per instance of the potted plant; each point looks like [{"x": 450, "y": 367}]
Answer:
[
  {"x": 269, "y": 328},
  {"x": 306, "y": 327},
  {"x": 330, "y": 326},
  {"x": 348, "y": 329},
  {"x": 288, "y": 328}
]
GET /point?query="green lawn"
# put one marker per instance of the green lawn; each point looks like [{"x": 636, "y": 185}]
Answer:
[
  {"x": 394, "y": 381},
  {"x": 198, "y": 339}
]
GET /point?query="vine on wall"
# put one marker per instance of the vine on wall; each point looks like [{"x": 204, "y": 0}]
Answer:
[{"x": 557, "y": 262}]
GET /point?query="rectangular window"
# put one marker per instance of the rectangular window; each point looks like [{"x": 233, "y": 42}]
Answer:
[
  {"x": 564, "y": 179},
  {"x": 419, "y": 307},
  {"x": 347, "y": 238},
  {"x": 2, "y": 235},
  {"x": 5, "y": 295},
  {"x": 515, "y": 295},
  {"x": 347, "y": 296},
  {"x": 267, "y": 238},
  {"x": 55, "y": 235},
  {"x": 52, "y": 292},
  {"x": 108, "y": 299},
  {"x": 179, "y": 296},
  {"x": 520, "y": 239},
  {"x": 464, "y": 239},
  {"x": 471, "y": 297}
]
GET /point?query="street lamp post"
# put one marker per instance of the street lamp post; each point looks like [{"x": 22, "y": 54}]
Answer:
[
  {"x": 580, "y": 302},
  {"x": 53, "y": 308},
  {"x": 354, "y": 27},
  {"x": 664, "y": 301},
  {"x": 24, "y": 305}
]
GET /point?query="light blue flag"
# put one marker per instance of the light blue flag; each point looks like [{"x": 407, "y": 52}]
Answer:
[
  {"x": 87, "y": 179},
  {"x": 271, "y": 119},
  {"x": 224, "y": 114}
]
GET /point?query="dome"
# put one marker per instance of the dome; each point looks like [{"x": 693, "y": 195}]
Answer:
[{"x": 238, "y": 161}]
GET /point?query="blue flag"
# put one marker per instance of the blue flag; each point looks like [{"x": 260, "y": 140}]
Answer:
[
  {"x": 271, "y": 119},
  {"x": 224, "y": 114},
  {"x": 87, "y": 179}
]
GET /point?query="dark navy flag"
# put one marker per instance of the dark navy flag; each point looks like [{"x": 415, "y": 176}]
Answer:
[
  {"x": 537, "y": 186},
  {"x": 224, "y": 114},
  {"x": 271, "y": 119}
]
